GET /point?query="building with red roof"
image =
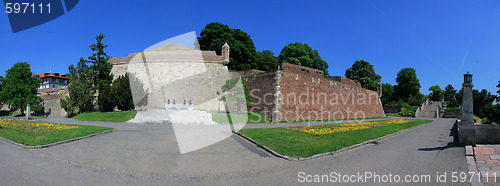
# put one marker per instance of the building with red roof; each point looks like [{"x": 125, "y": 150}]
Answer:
[{"x": 51, "y": 80}]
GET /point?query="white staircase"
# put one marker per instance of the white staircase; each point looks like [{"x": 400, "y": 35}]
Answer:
[{"x": 186, "y": 117}]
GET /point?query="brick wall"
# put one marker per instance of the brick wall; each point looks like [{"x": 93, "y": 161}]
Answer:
[
  {"x": 307, "y": 95},
  {"x": 304, "y": 97},
  {"x": 261, "y": 89},
  {"x": 301, "y": 69},
  {"x": 345, "y": 81}
]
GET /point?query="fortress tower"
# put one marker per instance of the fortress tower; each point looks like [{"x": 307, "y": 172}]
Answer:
[{"x": 225, "y": 54}]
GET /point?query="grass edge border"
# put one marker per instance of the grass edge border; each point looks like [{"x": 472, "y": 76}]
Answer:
[
  {"x": 274, "y": 153},
  {"x": 56, "y": 143}
]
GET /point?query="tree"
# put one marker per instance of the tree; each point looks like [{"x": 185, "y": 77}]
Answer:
[
  {"x": 1, "y": 87},
  {"x": 20, "y": 86},
  {"x": 498, "y": 92},
  {"x": 388, "y": 94},
  {"x": 481, "y": 100},
  {"x": 363, "y": 72},
  {"x": 81, "y": 89},
  {"x": 303, "y": 54},
  {"x": 266, "y": 61},
  {"x": 101, "y": 74},
  {"x": 449, "y": 93},
  {"x": 436, "y": 93},
  {"x": 123, "y": 99},
  {"x": 242, "y": 49},
  {"x": 408, "y": 85}
]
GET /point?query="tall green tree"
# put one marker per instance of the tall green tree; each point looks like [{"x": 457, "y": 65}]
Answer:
[
  {"x": 266, "y": 61},
  {"x": 20, "y": 86},
  {"x": 481, "y": 100},
  {"x": 101, "y": 74},
  {"x": 303, "y": 54},
  {"x": 124, "y": 99},
  {"x": 408, "y": 84},
  {"x": 81, "y": 89},
  {"x": 242, "y": 49},
  {"x": 498, "y": 92},
  {"x": 388, "y": 94},
  {"x": 436, "y": 93},
  {"x": 1, "y": 87},
  {"x": 363, "y": 72},
  {"x": 449, "y": 93}
]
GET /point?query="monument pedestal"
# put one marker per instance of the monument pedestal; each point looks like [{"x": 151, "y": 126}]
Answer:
[{"x": 466, "y": 134}]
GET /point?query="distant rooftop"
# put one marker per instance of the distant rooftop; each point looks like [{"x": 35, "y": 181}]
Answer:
[{"x": 51, "y": 74}]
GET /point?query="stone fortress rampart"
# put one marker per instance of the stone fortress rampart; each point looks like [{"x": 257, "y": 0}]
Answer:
[
  {"x": 175, "y": 78},
  {"x": 295, "y": 92},
  {"x": 292, "y": 92}
]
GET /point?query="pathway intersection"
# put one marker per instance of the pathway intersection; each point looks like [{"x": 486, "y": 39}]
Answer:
[{"x": 147, "y": 154}]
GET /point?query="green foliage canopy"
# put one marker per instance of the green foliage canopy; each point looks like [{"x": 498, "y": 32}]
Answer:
[
  {"x": 363, "y": 72},
  {"x": 388, "y": 94},
  {"x": 303, "y": 54},
  {"x": 242, "y": 49},
  {"x": 408, "y": 85},
  {"x": 101, "y": 74},
  {"x": 266, "y": 61},
  {"x": 122, "y": 92},
  {"x": 20, "y": 86},
  {"x": 81, "y": 89},
  {"x": 436, "y": 93}
]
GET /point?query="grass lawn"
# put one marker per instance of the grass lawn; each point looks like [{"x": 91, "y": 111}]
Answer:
[
  {"x": 118, "y": 116},
  {"x": 393, "y": 114},
  {"x": 244, "y": 117},
  {"x": 300, "y": 142},
  {"x": 39, "y": 133},
  {"x": 396, "y": 115}
]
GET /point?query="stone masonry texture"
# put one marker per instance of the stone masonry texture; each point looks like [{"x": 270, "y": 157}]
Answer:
[{"x": 308, "y": 95}]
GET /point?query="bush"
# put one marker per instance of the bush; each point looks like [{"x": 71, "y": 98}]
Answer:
[
  {"x": 68, "y": 107},
  {"x": 408, "y": 111},
  {"x": 123, "y": 99},
  {"x": 416, "y": 101},
  {"x": 106, "y": 99},
  {"x": 452, "y": 111}
]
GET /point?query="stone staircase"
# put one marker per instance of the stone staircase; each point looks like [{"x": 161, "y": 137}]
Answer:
[
  {"x": 428, "y": 109},
  {"x": 186, "y": 117}
]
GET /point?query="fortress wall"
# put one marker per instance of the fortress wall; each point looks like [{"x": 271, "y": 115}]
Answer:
[
  {"x": 52, "y": 103},
  {"x": 262, "y": 90},
  {"x": 119, "y": 70},
  {"x": 301, "y": 69},
  {"x": 305, "y": 97},
  {"x": 166, "y": 81}
]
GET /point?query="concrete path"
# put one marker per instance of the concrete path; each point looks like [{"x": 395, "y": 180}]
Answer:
[{"x": 147, "y": 154}]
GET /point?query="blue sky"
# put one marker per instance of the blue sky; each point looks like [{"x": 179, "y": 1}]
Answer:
[{"x": 442, "y": 40}]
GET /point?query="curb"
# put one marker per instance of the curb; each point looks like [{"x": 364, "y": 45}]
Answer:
[
  {"x": 326, "y": 153},
  {"x": 471, "y": 164},
  {"x": 56, "y": 143}
]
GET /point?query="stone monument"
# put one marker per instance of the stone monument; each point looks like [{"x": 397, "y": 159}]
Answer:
[
  {"x": 28, "y": 111},
  {"x": 467, "y": 107},
  {"x": 466, "y": 128}
]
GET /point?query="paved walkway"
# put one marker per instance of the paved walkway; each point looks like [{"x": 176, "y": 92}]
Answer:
[
  {"x": 147, "y": 154},
  {"x": 488, "y": 163}
]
